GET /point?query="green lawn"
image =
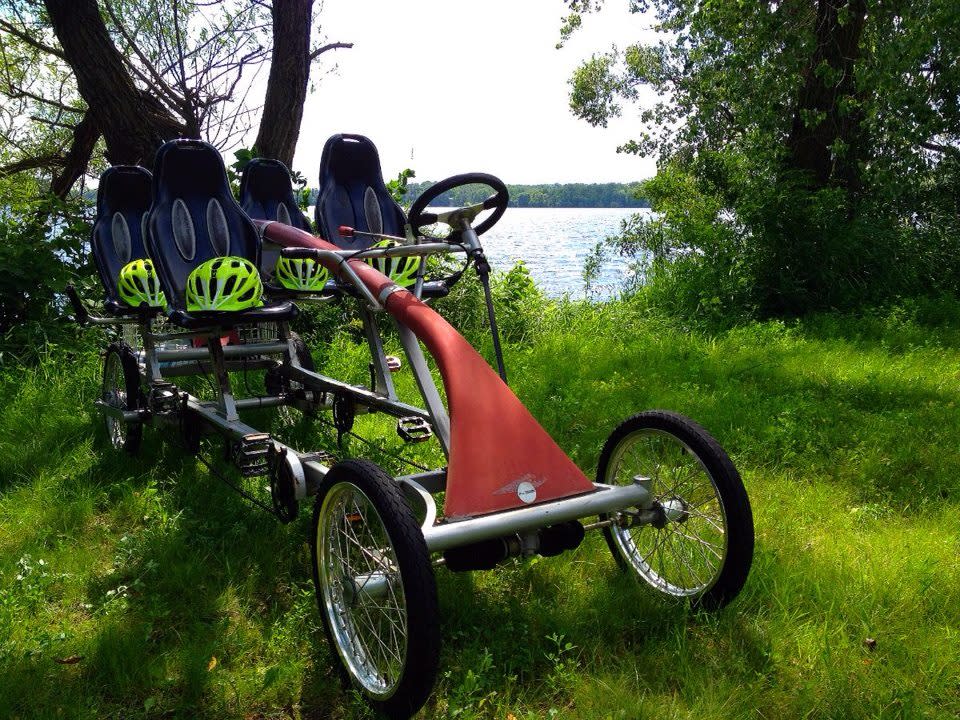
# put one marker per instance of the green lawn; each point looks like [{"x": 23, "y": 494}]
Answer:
[{"x": 146, "y": 588}]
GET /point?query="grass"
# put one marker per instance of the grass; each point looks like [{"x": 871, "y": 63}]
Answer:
[{"x": 141, "y": 588}]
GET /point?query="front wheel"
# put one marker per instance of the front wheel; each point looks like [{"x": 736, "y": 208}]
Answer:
[
  {"x": 700, "y": 544},
  {"x": 375, "y": 587}
]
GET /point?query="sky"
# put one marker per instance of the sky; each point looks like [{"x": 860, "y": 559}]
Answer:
[{"x": 447, "y": 87}]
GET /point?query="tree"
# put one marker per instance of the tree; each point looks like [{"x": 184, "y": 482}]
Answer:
[
  {"x": 811, "y": 128},
  {"x": 289, "y": 78},
  {"x": 140, "y": 72}
]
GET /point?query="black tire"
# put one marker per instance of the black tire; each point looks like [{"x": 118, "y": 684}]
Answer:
[
  {"x": 706, "y": 524},
  {"x": 360, "y": 506},
  {"x": 120, "y": 388}
]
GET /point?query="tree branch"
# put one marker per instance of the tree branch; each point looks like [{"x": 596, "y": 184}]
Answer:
[
  {"x": 942, "y": 149},
  {"x": 314, "y": 54},
  {"x": 75, "y": 163},
  {"x": 31, "y": 41},
  {"x": 19, "y": 93},
  {"x": 31, "y": 163},
  {"x": 173, "y": 98}
]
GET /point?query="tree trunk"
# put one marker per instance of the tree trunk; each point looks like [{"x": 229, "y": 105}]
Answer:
[
  {"x": 287, "y": 84},
  {"x": 812, "y": 147},
  {"x": 134, "y": 124},
  {"x": 85, "y": 136}
]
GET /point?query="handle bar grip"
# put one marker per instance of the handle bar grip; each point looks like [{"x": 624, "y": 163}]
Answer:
[
  {"x": 79, "y": 309},
  {"x": 299, "y": 253}
]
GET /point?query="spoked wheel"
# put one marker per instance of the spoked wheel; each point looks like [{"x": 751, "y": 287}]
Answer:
[
  {"x": 375, "y": 587},
  {"x": 121, "y": 390},
  {"x": 700, "y": 545}
]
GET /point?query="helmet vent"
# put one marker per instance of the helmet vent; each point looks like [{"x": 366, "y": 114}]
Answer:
[
  {"x": 120, "y": 233},
  {"x": 371, "y": 210},
  {"x": 183, "y": 233},
  {"x": 217, "y": 228},
  {"x": 283, "y": 215}
]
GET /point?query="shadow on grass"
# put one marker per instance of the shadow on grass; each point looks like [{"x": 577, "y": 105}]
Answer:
[{"x": 200, "y": 579}]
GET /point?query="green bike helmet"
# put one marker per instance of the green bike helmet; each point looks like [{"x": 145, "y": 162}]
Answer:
[
  {"x": 402, "y": 270},
  {"x": 224, "y": 283},
  {"x": 305, "y": 275},
  {"x": 138, "y": 284}
]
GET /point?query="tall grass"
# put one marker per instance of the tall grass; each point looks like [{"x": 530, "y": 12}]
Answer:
[{"x": 145, "y": 588}]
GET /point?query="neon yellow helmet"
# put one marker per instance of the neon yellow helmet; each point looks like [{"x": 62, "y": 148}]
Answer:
[
  {"x": 402, "y": 270},
  {"x": 305, "y": 275},
  {"x": 138, "y": 284},
  {"x": 224, "y": 283}
]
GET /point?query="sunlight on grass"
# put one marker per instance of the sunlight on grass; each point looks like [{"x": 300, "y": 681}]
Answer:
[{"x": 144, "y": 588}]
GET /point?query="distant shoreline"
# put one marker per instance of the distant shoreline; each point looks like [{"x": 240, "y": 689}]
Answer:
[{"x": 548, "y": 195}]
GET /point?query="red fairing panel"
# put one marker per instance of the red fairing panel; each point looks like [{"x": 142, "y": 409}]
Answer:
[{"x": 500, "y": 457}]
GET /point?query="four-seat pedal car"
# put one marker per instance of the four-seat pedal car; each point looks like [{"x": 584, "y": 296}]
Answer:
[{"x": 197, "y": 284}]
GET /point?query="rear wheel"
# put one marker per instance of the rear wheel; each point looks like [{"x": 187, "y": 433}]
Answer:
[
  {"x": 701, "y": 544},
  {"x": 375, "y": 587},
  {"x": 121, "y": 390}
]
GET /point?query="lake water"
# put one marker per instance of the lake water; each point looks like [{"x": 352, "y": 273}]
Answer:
[{"x": 554, "y": 242}]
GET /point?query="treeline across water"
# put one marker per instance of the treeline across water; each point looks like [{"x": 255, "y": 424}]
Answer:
[{"x": 556, "y": 195}]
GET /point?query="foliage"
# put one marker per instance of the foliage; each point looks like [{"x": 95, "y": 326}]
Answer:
[
  {"x": 399, "y": 186},
  {"x": 797, "y": 146},
  {"x": 520, "y": 306},
  {"x": 42, "y": 248}
]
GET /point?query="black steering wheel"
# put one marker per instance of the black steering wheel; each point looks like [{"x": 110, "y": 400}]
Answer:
[{"x": 496, "y": 202}]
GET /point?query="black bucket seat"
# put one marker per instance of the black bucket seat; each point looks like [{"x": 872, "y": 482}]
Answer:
[
  {"x": 195, "y": 218},
  {"x": 352, "y": 193},
  {"x": 266, "y": 193},
  {"x": 123, "y": 201}
]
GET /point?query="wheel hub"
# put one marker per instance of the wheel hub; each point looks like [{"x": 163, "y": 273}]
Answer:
[{"x": 675, "y": 510}]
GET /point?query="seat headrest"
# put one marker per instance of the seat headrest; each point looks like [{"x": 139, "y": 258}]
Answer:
[
  {"x": 194, "y": 166},
  {"x": 123, "y": 188},
  {"x": 352, "y": 158},
  {"x": 266, "y": 193},
  {"x": 265, "y": 179}
]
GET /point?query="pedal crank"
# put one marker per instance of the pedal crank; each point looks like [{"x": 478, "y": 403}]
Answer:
[
  {"x": 287, "y": 483},
  {"x": 414, "y": 429}
]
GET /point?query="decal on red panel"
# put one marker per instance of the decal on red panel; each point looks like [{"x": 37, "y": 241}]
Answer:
[{"x": 525, "y": 488}]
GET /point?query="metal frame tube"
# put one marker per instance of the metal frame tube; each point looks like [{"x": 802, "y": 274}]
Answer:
[
  {"x": 439, "y": 418},
  {"x": 230, "y": 352},
  {"x": 322, "y": 383},
  {"x": 383, "y": 382},
  {"x": 604, "y": 499}
]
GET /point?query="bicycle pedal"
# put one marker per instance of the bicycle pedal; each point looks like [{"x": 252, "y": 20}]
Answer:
[
  {"x": 250, "y": 454},
  {"x": 414, "y": 429},
  {"x": 164, "y": 397},
  {"x": 393, "y": 363}
]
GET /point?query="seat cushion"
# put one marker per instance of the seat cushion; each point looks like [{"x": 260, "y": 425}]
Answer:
[{"x": 280, "y": 311}]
